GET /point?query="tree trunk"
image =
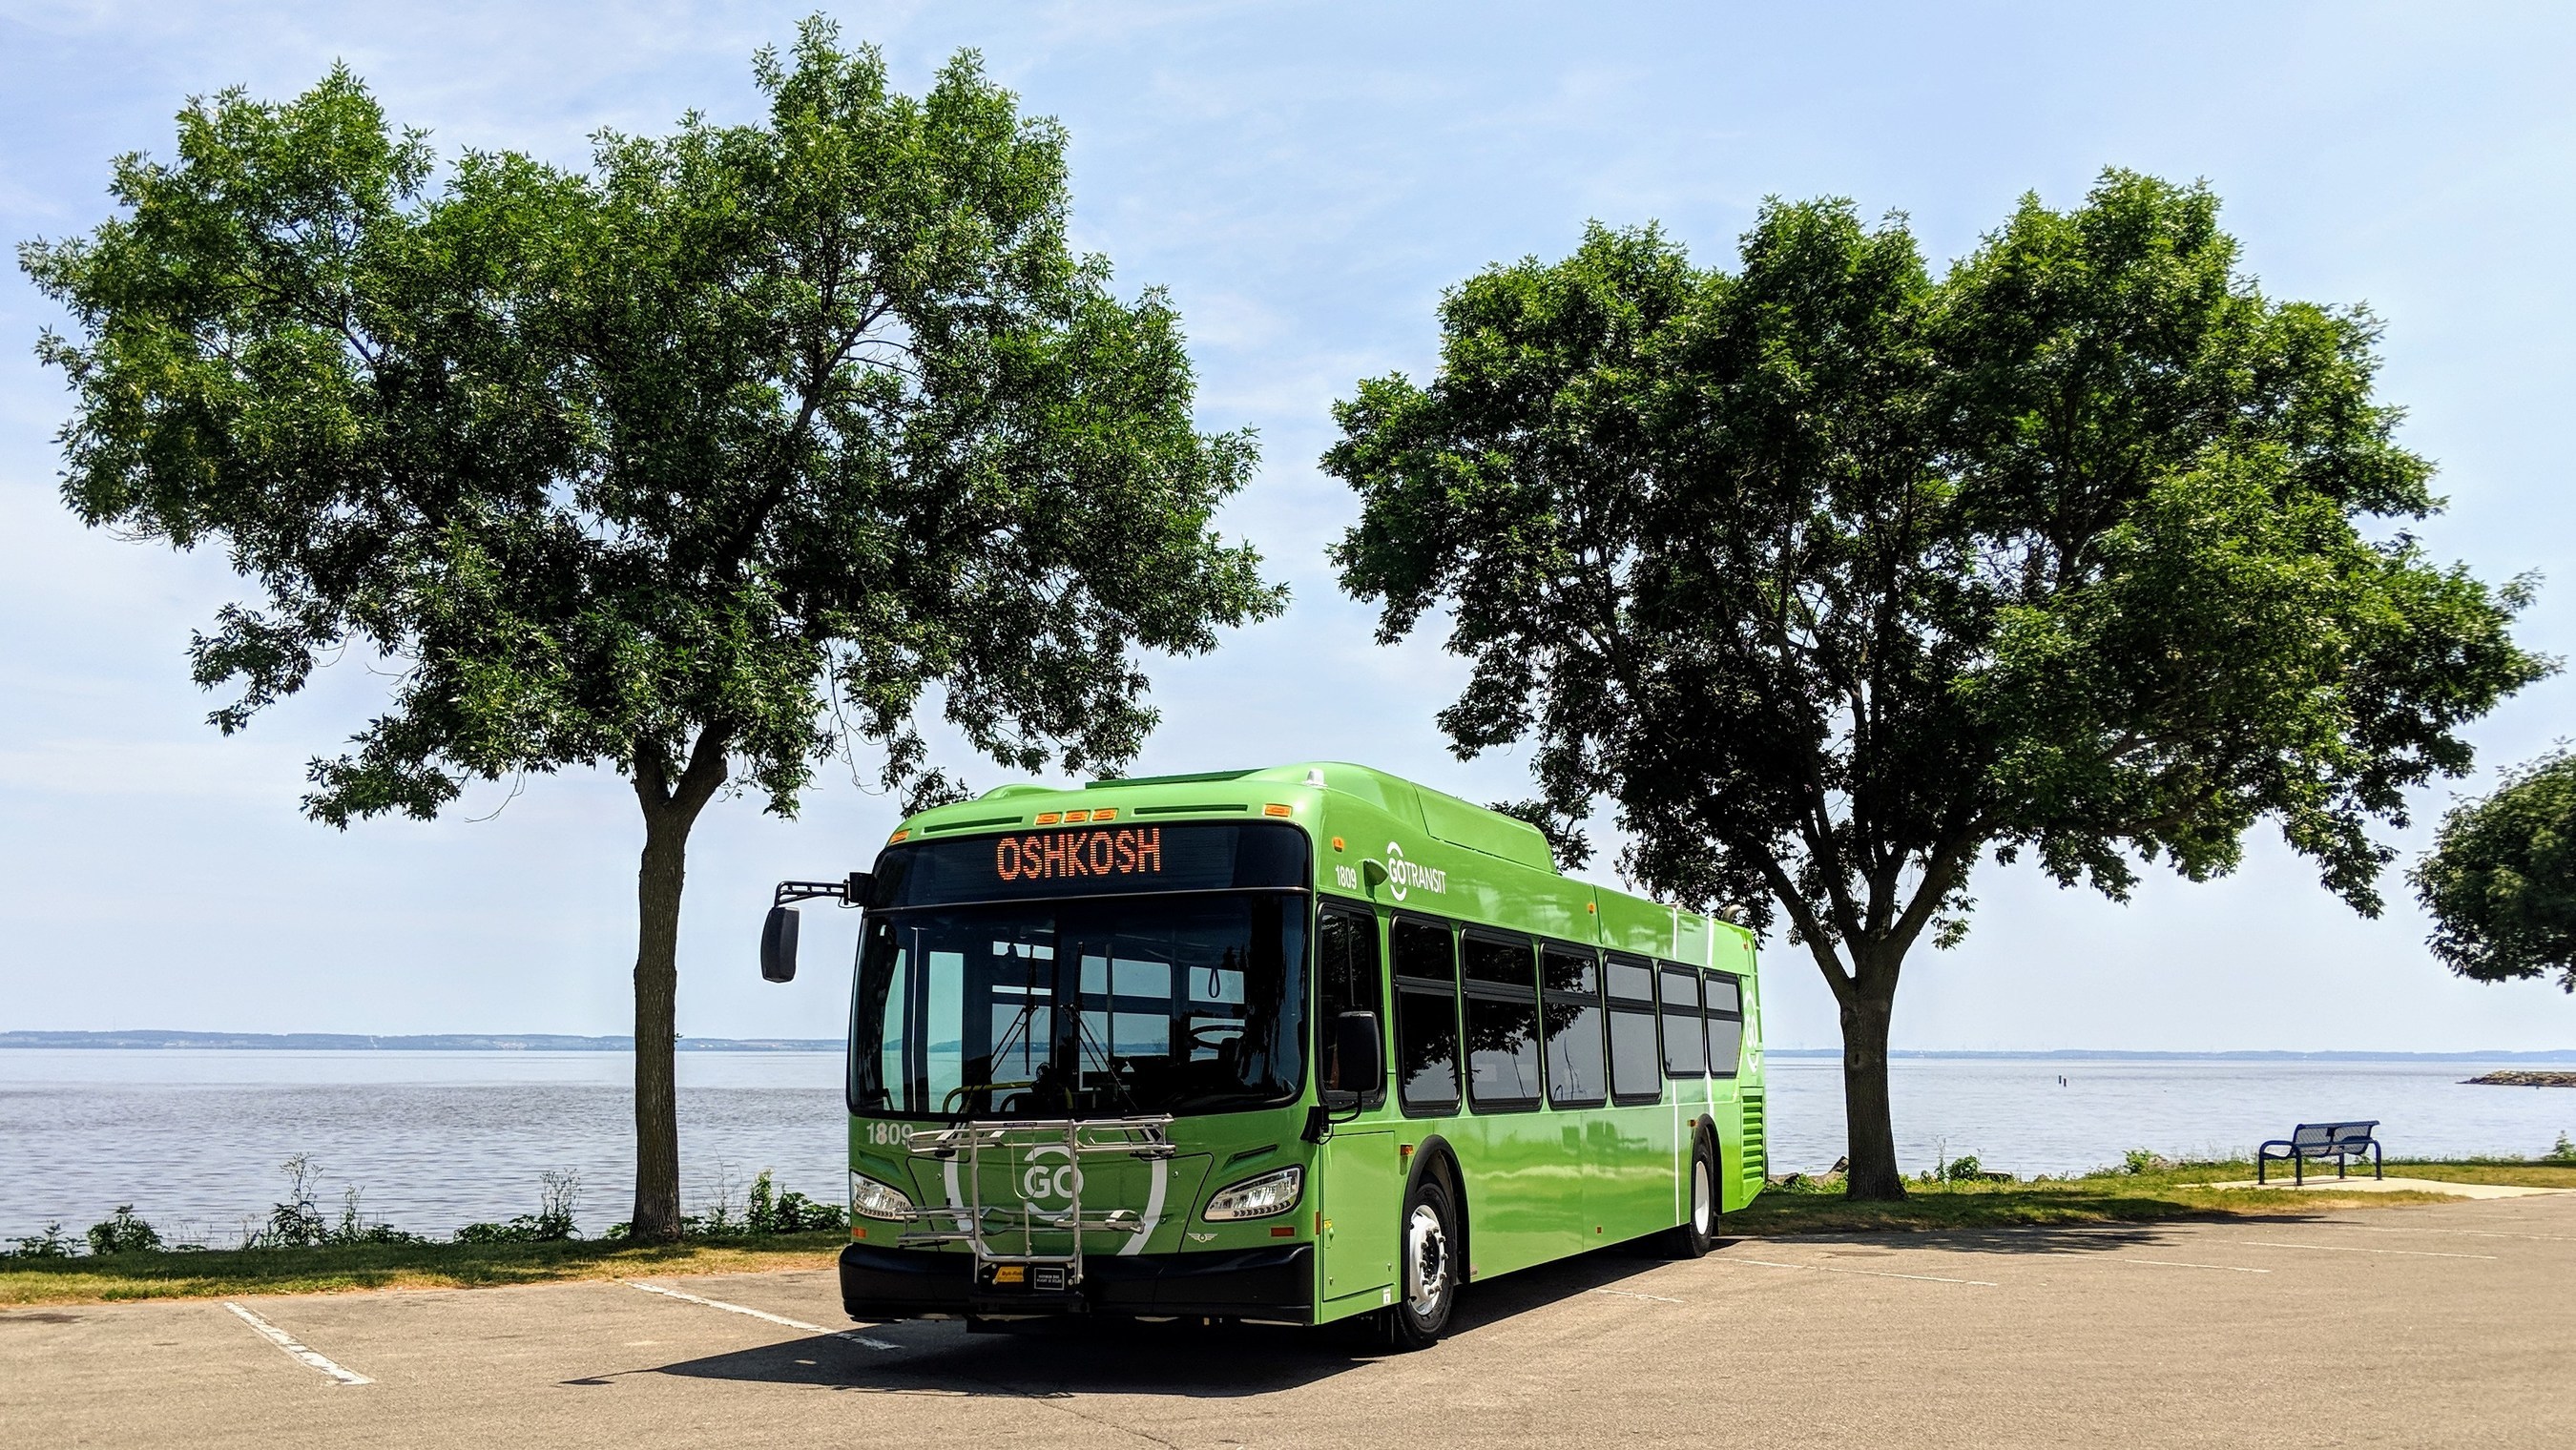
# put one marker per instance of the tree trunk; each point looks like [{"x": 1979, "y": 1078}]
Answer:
[
  {"x": 1867, "y": 1008},
  {"x": 656, "y": 1218},
  {"x": 670, "y": 809}
]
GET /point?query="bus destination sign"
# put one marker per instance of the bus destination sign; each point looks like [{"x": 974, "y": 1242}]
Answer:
[
  {"x": 1064, "y": 855},
  {"x": 1093, "y": 861}
]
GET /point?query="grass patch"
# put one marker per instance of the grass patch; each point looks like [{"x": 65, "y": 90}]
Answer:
[
  {"x": 2517, "y": 1173},
  {"x": 217, "y": 1272},
  {"x": 2178, "y": 1193}
]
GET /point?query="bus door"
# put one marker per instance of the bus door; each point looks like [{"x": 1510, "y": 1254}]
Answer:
[{"x": 1359, "y": 1170}]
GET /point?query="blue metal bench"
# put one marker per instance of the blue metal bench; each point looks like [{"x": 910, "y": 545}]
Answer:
[{"x": 2339, "y": 1141}]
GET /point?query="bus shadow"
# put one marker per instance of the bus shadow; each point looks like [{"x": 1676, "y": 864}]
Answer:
[
  {"x": 1185, "y": 1360},
  {"x": 2021, "y": 1239}
]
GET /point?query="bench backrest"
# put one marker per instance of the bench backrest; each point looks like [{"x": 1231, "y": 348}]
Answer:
[{"x": 2332, "y": 1137}]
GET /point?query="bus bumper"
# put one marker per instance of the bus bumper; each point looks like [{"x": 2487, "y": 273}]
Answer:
[{"x": 1272, "y": 1283}]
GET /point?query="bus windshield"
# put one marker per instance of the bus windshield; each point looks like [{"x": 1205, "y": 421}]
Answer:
[{"x": 1100, "y": 1007}]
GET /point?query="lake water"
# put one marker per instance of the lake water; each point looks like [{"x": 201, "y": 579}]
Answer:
[{"x": 437, "y": 1139}]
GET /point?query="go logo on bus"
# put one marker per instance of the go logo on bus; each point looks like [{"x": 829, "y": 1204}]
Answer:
[{"x": 1054, "y": 1182}]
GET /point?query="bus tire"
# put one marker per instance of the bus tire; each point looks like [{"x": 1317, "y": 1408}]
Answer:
[
  {"x": 1697, "y": 1231},
  {"x": 1428, "y": 1268}
]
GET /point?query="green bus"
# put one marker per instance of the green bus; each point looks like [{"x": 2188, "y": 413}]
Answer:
[{"x": 1290, "y": 1045}]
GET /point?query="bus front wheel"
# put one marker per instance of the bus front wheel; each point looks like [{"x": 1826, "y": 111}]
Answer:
[
  {"x": 1427, "y": 1282},
  {"x": 1697, "y": 1231}
]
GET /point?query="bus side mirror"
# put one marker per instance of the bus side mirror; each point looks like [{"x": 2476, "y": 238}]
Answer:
[
  {"x": 778, "y": 945},
  {"x": 1358, "y": 1064}
]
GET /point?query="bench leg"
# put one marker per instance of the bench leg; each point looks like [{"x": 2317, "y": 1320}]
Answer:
[
  {"x": 2374, "y": 1160},
  {"x": 2339, "y": 1165},
  {"x": 2299, "y": 1170},
  {"x": 2260, "y": 1162}
]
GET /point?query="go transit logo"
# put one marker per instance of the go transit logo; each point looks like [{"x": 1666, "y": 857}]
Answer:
[{"x": 1401, "y": 874}]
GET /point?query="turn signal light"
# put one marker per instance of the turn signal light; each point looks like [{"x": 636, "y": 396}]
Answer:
[
  {"x": 1075, "y": 818},
  {"x": 897, "y": 837},
  {"x": 1276, "y": 809},
  {"x": 1105, "y": 813},
  {"x": 1049, "y": 818}
]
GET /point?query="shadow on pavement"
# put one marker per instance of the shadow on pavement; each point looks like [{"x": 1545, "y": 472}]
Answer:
[
  {"x": 2037, "y": 1239},
  {"x": 1113, "y": 1356}
]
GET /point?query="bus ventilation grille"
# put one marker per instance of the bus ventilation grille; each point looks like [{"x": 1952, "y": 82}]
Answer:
[{"x": 1757, "y": 1151}]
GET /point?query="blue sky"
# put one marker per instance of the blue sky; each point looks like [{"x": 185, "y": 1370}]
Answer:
[{"x": 1305, "y": 179}]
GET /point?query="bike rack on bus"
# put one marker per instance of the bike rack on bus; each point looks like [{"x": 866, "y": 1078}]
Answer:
[{"x": 1144, "y": 1138}]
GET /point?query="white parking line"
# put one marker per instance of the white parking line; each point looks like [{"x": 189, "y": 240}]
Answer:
[
  {"x": 286, "y": 1342},
  {"x": 2178, "y": 1264},
  {"x": 2475, "y": 1233},
  {"x": 1873, "y": 1273},
  {"x": 851, "y": 1335},
  {"x": 1633, "y": 1294},
  {"x": 2349, "y": 1249}
]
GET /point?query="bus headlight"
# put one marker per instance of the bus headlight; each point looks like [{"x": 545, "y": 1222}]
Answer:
[
  {"x": 1271, "y": 1193},
  {"x": 871, "y": 1199}
]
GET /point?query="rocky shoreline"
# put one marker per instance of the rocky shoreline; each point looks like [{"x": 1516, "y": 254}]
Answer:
[{"x": 2524, "y": 1077}]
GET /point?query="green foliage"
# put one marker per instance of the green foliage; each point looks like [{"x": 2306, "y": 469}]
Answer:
[
  {"x": 122, "y": 1233},
  {"x": 724, "y": 457},
  {"x": 1960, "y": 1170},
  {"x": 771, "y": 1212},
  {"x": 2143, "y": 1160},
  {"x": 294, "y": 1224},
  {"x": 2562, "y": 1151},
  {"x": 53, "y": 1243},
  {"x": 2500, "y": 881},
  {"x": 765, "y": 1211},
  {"x": 747, "y": 427},
  {"x": 559, "y": 1194},
  {"x": 1836, "y": 577}
]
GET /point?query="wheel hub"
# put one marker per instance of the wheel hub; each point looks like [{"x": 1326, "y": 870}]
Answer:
[{"x": 1426, "y": 1260}]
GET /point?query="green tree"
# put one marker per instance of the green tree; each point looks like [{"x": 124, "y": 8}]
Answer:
[
  {"x": 2500, "y": 880},
  {"x": 737, "y": 450},
  {"x": 1835, "y": 577}
]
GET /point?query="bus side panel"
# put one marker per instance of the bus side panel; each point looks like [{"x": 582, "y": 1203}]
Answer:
[
  {"x": 1632, "y": 1163},
  {"x": 1518, "y": 1202}
]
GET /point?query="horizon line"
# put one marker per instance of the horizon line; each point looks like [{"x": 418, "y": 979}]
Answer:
[{"x": 165, "y": 1039}]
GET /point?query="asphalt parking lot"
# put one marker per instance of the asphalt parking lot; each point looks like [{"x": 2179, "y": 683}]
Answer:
[{"x": 2411, "y": 1326}]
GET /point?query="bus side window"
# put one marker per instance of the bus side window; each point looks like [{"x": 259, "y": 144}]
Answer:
[
  {"x": 1347, "y": 980},
  {"x": 1426, "y": 1017},
  {"x": 1570, "y": 986},
  {"x": 1725, "y": 1024},
  {"x": 1636, "y": 1073},
  {"x": 1502, "y": 1024},
  {"x": 1685, "y": 1042}
]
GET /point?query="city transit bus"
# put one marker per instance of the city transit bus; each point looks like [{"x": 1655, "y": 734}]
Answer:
[{"x": 1291, "y": 1045}]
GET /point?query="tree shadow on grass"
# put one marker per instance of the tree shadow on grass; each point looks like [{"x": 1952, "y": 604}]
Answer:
[{"x": 1054, "y": 1359}]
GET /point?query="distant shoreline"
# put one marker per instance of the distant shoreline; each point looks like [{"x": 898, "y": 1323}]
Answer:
[
  {"x": 153, "y": 1039},
  {"x": 158, "y": 1040},
  {"x": 2108, "y": 1054}
]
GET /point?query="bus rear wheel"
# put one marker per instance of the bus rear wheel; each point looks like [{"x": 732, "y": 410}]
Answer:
[
  {"x": 1428, "y": 1268},
  {"x": 1697, "y": 1232}
]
